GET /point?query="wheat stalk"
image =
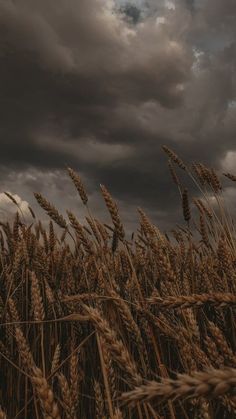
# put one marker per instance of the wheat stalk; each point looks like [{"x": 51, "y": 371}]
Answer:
[
  {"x": 219, "y": 300},
  {"x": 212, "y": 383}
]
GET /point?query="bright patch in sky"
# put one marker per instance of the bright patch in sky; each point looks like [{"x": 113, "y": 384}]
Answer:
[
  {"x": 7, "y": 207},
  {"x": 232, "y": 104},
  {"x": 160, "y": 20},
  {"x": 198, "y": 54},
  {"x": 141, "y": 3},
  {"x": 138, "y": 3},
  {"x": 229, "y": 161},
  {"x": 170, "y": 4}
]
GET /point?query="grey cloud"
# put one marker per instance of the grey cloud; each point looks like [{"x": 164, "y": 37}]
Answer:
[
  {"x": 66, "y": 70},
  {"x": 81, "y": 85}
]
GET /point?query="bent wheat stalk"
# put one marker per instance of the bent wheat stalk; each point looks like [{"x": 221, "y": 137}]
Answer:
[
  {"x": 211, "y": 383},
  {"x": 194, "y": 300}
]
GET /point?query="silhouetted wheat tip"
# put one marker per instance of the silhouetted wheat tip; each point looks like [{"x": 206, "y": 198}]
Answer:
[
  {"x": 146, "y": 224},
  {"x": 215, "y": 182},
  {"x": 202, "y": 172},
  {"x": 79, "y": 185},
  {"x": 230, "y": 176},
  {"x": 51, "y": 210},
  {"x": 31, "y": 212},
  {"x": 173, "y": 156},
  {"x": 185, "y": 205},
  {"x": 113, "y": 209},
  {"x": 173, "y": 173},
  {"x": 11, "y": 198},
  {"x": 202, "y": 208}
]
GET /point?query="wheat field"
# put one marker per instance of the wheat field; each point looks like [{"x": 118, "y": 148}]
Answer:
[{"x": 98, "y": 325}]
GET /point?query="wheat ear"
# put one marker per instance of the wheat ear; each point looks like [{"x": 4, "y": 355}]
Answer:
[
  {"x": 45, "y": 394},
  {"x": 115, "y": 345},
  {"x": 78, "y": 184},
  {"x": 51, "y": 210},
  {"x": 211, "y": 383},
  {"x": 194, "y": 300}
]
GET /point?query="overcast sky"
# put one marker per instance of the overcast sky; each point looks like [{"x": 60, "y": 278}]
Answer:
[{"x": 100, "y": 85}]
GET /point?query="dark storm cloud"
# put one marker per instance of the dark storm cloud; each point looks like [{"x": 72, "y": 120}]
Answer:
[
  {"x": 83, "y": 85},
  {"x": 131, "y": 12}
]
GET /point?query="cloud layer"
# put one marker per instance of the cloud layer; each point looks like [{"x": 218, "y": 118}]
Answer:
[{"x": 84, "y": 85}]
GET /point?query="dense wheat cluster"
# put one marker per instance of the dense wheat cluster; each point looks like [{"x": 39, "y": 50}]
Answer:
[{"x": 97, "y": 325}]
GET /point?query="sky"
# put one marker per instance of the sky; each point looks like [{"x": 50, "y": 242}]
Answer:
[{"x": 100, "y": 85}]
